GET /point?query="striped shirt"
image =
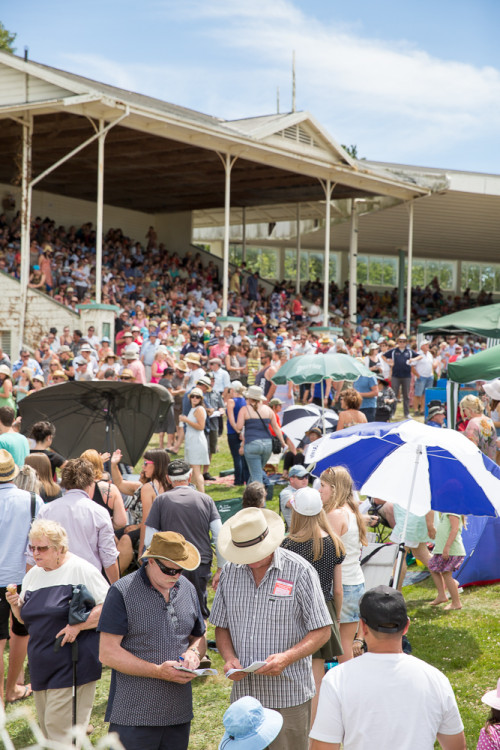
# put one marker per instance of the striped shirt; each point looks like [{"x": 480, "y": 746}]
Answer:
[{"x": 262, "y": 621}]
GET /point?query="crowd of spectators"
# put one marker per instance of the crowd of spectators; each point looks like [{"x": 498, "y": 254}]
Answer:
[{"x": 62, "y": 264}]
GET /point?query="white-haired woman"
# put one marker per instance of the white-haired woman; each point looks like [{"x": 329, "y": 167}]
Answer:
[
  {"x": 480, "y": 428},
  {"x": 43, "y": 605}
]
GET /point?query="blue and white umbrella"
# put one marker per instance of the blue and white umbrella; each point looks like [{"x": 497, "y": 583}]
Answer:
[
  {"x": 297, "y": 420},
  {"x": 413, "y": 465}
]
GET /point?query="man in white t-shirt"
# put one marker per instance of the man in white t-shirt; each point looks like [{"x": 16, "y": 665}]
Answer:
[
  {"x": 386, "y": 698},
  {"x": 423, "y": 366}
]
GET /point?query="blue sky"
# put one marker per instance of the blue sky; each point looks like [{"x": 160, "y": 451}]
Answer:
[{"x": 415, "y": 83}]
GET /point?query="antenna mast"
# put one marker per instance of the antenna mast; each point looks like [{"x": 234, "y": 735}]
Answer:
[{"x": 293, "y": 81}]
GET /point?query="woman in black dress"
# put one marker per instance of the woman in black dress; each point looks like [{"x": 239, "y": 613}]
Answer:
[{"x": 312, "y": 537}]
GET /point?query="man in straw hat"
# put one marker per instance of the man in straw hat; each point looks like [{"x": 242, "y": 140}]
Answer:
[
  {"x": 16, "y": 514},
  {"x": 269, "y": 607},
  {"x": 150, "y": 626},
  {"x": 414, "y": 702}
]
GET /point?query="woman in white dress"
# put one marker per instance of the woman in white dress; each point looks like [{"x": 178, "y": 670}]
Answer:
[{"x": 195, "y": 443}]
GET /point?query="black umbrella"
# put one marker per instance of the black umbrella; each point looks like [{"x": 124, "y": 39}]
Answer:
[{"x": 104, "y": 415}]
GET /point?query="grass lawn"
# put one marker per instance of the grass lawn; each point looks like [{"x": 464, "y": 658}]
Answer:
[{"x": 464, "y": 644}]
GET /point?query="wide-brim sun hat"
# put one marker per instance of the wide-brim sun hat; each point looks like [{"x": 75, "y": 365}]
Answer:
[
  {"x": 250, "y": 726},
  {"x": 492, "y": 698},
  {"x": 4, "y": 370},
  {"x": 250, "y": 535},
  {"x": 8, "y": 468},
  {"x": 493, "y": 389},
  {"x": 255, "y": 392},
  {"x": 170, "y": 546},
  {"x": 193, "y": 359}
]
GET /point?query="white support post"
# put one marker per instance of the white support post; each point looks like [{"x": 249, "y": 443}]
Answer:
[
  {"x": 328, "y": 187},
  {"x": 297, "y": 282},
  {"x": 244, "y": 237},
  {"x": 26, "y": 192},
  {"x": 353, "y": 264},
  {"x": 228, "y": 164},
  {"x": 410, "y": 265},
  {"x": 99, "y": 220}
]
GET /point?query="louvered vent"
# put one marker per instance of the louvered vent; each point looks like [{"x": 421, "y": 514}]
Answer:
[
  {"x": 6, "y": 342},
  {"x": 298, "y": 134}
]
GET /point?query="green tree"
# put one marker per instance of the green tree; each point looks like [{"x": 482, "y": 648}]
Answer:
[{"x": 6, "y": 39}]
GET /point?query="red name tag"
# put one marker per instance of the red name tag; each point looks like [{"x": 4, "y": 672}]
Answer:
[{"x": 283, "y": 588}]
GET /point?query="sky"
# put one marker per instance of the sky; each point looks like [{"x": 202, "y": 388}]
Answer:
[{"x": 410, "y": 83}]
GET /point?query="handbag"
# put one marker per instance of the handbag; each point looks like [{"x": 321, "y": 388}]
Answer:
[{"x": 276, "y": 443}]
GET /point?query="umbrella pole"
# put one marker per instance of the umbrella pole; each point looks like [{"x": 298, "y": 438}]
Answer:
[
  {"x": 323, "y": 405},
  {"x": 402, "y": 549}
]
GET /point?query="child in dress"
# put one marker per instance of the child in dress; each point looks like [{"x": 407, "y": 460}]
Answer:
[
  {"x": 448, "y": 555},
  {"x": 489, "y": 736}
]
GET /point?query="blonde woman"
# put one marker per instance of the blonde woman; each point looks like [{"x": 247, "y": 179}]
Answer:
[
  {"x": 312, "y": 537},
  {"x": 480, "y": 429},
  {"x": 24, "y": 384},
  {"x": 341, "y": 508},
  {"x": 253, "y": 365}
]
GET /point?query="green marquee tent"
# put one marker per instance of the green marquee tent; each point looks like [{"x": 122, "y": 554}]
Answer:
[
  {"x": 483, "y": 321},
  {"x": 482, "y": 366}
]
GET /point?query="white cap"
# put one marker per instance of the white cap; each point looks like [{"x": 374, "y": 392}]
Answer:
[{"x": 307, "y": 502}]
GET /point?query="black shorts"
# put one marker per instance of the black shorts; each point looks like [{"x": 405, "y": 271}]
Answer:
[{"x": 5, "y": 612}]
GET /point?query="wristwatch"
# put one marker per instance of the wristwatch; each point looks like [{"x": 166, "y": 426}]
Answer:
[{"x": 193, "y": 648}]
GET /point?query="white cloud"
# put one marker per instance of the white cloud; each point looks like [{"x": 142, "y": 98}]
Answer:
[{"x": 394, "y": 100}]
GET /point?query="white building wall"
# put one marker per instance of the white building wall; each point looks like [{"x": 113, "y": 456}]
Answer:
[{"x": 42, "y": 313}]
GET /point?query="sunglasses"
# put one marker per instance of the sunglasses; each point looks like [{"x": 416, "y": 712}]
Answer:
[
  {"x": 195, "y": 396},
  {"x": 147, "y": 463},
  {"x": 35, "y": 548},
  {"x": 168, "y": 571}
]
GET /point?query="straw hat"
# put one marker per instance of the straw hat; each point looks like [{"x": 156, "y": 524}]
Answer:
[
  {"x": 250, "y": 535},
  {"x": 126, "y": 373},
  {"x": 170, "y": 546},
  {"x": 182, "y": 366},
  {"x": 4, "y": 370},
  {"x": 255, "y": 392},
  {"x": 192, "y": 358},
  {"x": 206, "y": 382},
  {"x": 8, "y": 469}
]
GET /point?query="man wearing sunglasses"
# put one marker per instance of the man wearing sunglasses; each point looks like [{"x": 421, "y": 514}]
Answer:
[{"x": 151, "y": 625}]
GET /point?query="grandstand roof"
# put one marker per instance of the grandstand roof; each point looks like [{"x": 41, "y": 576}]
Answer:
[{"x": 164, "y": 158}]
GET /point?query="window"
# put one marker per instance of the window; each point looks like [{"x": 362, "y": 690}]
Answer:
[
  {"x": 261, "y": 259},
  {"x": 311, "y": 265},
  {"x": 424, "y": 271},
  {"x": 479, "y": 276}
]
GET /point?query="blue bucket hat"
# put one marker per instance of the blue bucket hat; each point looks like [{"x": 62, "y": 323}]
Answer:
[{"x": 249, "y": 726}]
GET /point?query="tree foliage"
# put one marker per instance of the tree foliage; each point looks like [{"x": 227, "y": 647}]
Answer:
[{"x": 7, "y": 39}]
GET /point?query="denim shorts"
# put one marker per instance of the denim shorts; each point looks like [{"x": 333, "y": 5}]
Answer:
[
  {"x": 350, "y": 602},
  {"x": 421, "y": 384}
]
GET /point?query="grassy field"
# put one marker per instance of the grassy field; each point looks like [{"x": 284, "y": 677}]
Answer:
[{"x": 464, "y": 644}]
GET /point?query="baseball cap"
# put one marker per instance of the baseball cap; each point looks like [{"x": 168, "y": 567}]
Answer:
[
  {"x": 307, "y": 502},
  {"x": 383, "y": 609},
  {"x": 298, "y": 471}
]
